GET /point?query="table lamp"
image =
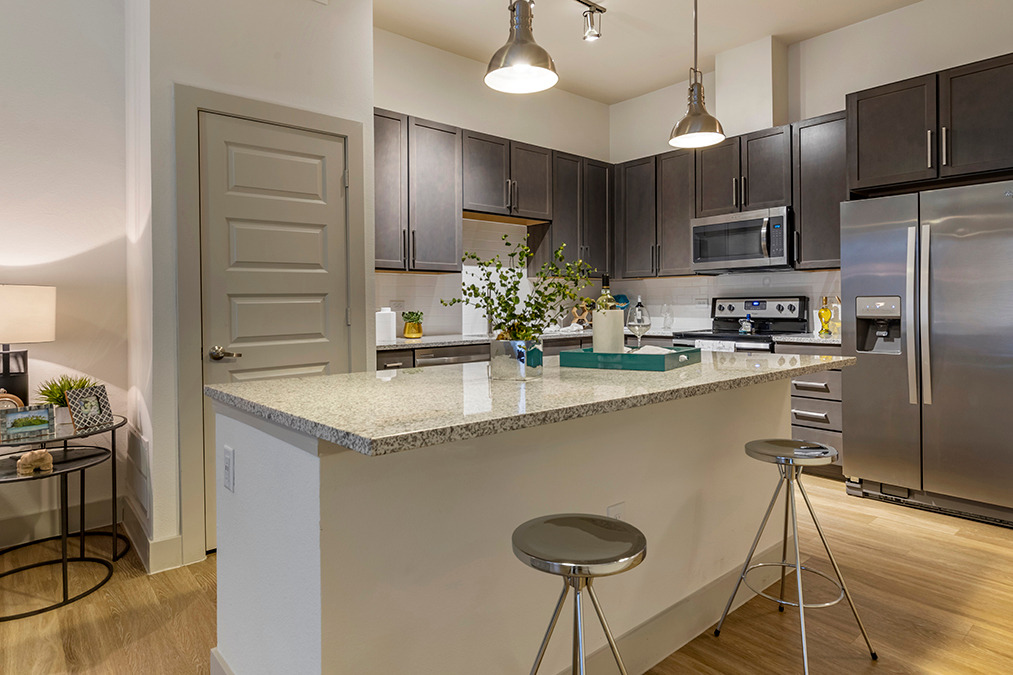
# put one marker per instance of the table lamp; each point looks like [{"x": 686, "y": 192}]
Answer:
[{"x": 27, "y": 314}]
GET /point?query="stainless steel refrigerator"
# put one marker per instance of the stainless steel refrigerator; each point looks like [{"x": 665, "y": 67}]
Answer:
[{"x": 927, "y": 286}]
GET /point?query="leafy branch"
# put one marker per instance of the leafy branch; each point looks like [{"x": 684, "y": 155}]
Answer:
[{"x": 498, "y": 291}]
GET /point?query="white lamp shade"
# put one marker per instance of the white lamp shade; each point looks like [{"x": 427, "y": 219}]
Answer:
[{"x": 27, "y": 314}]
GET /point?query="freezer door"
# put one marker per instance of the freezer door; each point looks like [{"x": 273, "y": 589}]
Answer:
[
  {"x": 880, "y": 395},
  {"x": 967, "y": 443}
]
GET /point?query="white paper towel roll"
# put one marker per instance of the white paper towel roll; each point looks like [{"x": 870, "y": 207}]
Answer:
[{"x": 608, "y": 332}]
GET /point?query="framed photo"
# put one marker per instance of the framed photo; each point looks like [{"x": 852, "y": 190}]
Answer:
[
  {"x": 89, "y": 407},
  {"x": 26, "y": 422}
]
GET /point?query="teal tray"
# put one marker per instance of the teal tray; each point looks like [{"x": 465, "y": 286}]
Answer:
[{"x": 586, "y": 358}]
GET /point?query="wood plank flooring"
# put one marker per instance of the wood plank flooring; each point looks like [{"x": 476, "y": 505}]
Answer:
[{"x": 935, "y": 592}]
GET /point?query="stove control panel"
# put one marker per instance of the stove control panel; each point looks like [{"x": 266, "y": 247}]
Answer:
[{"x": 759, "y": 307}]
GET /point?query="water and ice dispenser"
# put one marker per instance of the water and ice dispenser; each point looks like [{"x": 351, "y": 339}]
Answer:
[{"x": 877, "y": 324}]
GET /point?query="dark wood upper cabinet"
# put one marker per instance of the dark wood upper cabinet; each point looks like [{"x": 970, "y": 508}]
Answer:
[
  {"x": 675, "y": 210},
  {"x": 390, "y": 136},
  {"x": 976, "y": 117},
  {"x": 765, "y": 180},
  {"x": 595, "y": 215},
  {"x": 486, "y": 173},
  {"x": 820, "y": 184},
  {"x": 434, "y": 192},
  {"x": 717, "y": 178},
  {"x": 636, "y": 220},
  {"x": 531, "y": 173},
  {"x": 891, "y": 133},
  {"x": 567, "y": 178}
]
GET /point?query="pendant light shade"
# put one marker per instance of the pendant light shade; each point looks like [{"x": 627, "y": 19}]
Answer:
[
  {"x": 521, "y": 66},
  {"x": 698, "y": 128}
]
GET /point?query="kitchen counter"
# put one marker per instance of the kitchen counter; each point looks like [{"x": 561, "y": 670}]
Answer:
[
  {"x": 454, "y": 340},
  {"x": 380, "y": 413},
  {"x": 808, "y": 339}
]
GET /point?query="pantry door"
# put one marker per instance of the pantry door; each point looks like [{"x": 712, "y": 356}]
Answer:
[{"x": 274, "y": 278}]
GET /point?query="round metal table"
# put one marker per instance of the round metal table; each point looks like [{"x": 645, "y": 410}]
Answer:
[{"x": 67, "y": 459}]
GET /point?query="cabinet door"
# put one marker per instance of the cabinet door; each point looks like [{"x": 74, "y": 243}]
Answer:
[
  {"x": 819, "y": 146},
  {"x": 637, "y": 220},
  {"x": 717, "y": 178},
  {"x": 676, "y": 206},
  {"x": 486, "y": 173},
  {"x": 891, "y": 133},
  {"x": 531, "y": 172},
  {"x": 434, "y": 193},
  {"x": 975, "y": 119},
  {"x": 766, "y": 169},
  {"x": 566, "y": 206},
  {"x": 595, "y": 215},
  {"x": 390, "y": 142}
]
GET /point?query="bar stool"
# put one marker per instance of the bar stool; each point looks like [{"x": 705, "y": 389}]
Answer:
[
  {"x": 791, "y": 457},
  {"x": 579, "y": 547}
]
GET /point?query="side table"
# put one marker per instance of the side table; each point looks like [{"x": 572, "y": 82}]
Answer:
[{"x": 68, "y": 459}]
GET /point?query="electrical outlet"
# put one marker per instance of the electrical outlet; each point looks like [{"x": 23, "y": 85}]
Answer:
[
  {"x": 230, "y": 469},
  {"x": 617, "y": 511},
  {"x": 702, "y": 301},
  {"x": 397, "y": 306}
]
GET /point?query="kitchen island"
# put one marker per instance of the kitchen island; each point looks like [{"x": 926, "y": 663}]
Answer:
[{"x": 369, "y": 525}]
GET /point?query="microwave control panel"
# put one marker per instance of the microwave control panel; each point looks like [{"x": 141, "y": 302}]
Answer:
[{"x": 777, "y": 235}]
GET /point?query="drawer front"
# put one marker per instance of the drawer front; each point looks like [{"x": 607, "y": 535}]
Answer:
[
  {"x": 553, "y": 346},
  {"x": 796, "y": 348},
  {"x": 436, "y": 356},
  {"x": 832, "y": 438},
  {"x": 816, "y": 413},
  {"x": 657, "y": 340},
  {"x": 825, "y": 385},
  {"x": 395, "y": 358}
]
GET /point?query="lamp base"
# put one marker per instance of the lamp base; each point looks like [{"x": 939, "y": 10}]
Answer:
[{"x": 14, "y": 372}]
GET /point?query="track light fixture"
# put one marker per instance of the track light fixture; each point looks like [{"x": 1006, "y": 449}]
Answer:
[{"x": 592, "y": 27}]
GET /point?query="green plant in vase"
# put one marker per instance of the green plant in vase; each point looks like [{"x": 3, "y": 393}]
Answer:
[
  {"x": 54, "y": 391},
  {"x": 412, "y": 324}
]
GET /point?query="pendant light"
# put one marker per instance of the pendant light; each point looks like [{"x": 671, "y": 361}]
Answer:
[
  {"x": 521, "y": 66},
  {"x": 698, "y": 129}
]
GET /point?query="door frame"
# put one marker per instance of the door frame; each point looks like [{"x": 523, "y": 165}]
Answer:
[{"x": 189, "y": 103}]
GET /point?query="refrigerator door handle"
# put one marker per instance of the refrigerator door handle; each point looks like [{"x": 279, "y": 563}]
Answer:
[
  {"x": 909, "y": 318},
  {"x": 923, "y": 313}
]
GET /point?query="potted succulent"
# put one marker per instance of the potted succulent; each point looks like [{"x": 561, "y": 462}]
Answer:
[
  {"x": 54, "y": 392},
  {"x": 412, "y": 324},
  {"x": 518, "y": 322}
]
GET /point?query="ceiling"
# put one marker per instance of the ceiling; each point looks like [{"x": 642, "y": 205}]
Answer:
[{"x": 645, "y": 45}]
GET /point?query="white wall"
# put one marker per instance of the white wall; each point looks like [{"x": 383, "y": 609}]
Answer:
[
  {"x": 62, "y": 205},
  {"x": 914, "y": 40},
  {"x": 750, "y": 86},
  {"x": 303, "y": 54},
  {"x": 416, "y": 79}
]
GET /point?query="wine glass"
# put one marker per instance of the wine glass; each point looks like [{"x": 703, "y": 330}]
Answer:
[{"x": 639, "y": 321}]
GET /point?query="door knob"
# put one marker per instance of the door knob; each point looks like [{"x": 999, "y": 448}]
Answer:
[{"x": 217, "y": 354}]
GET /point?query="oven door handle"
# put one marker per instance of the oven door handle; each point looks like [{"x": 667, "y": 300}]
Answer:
[{"x": 764, "y": 236}]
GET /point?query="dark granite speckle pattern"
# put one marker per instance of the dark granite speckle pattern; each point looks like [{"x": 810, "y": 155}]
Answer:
[{"x": 808, "y": 339}]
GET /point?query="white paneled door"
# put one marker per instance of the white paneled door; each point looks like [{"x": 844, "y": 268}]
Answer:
[{"x": 274, "y": 280}]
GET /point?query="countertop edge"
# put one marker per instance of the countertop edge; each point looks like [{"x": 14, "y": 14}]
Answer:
[{"x": 384, "y": 445}]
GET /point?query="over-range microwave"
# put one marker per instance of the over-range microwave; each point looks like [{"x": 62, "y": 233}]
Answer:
[{"x": 742, "y": 242}]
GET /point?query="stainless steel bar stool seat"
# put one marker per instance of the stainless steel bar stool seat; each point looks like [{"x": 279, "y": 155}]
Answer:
[
  {"x": 579, "y": 547},
  {"x": 791, "y": 457}
]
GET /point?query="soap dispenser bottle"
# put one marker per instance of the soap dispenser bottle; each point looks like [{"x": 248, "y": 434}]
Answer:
[{"x": 824, "y": 315}]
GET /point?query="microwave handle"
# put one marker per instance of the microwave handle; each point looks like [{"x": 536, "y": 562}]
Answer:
[{"x": 764, "y": 232}]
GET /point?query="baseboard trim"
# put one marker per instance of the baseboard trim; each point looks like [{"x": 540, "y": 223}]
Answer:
[
  {"x": 156, "y": 556},
  {"x": 653, "y": 641},
  {"x": 218, "y": 664}
]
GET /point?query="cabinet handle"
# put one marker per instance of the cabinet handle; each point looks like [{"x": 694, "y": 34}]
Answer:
[
  {"x": 812, "y": 416},
  {"x": 798, "y": 246},
  {"x": 509, "y": 195},
  {"x": 742, "y": 186},
  {"x": 653, "y": 257},
  {"x": 735, "y": 192},
  {"x": 404, "y": 247},
  {"x": 515, "y": 201},
  {"x": 658, "y": 254},
  {"x": 811, "y": 386},
  {"x": 413, "y": 248},
  {"x": 928, "y": 147},
  {"x": 393, "y": 364},
  {"x": 942, "y": 144}
]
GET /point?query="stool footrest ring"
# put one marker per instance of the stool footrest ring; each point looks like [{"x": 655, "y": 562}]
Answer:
[{"x": 814, "y": 605}]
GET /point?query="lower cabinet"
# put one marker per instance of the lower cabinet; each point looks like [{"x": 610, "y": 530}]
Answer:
[
  {"x": 816, "y": 406},
  {"x": 395, "y": 358}
]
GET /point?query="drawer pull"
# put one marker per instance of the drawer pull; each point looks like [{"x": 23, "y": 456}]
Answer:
[
  {"x": 393, "y": 364},
  {"x": 813, "y": 416},
  {"x": 811, "y": 386}
]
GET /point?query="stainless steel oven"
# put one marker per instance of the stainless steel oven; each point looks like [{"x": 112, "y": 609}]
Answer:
[{"x": 739, "y": 242}]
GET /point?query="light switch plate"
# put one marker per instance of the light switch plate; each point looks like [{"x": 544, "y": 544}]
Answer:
[
  {"x": 230, "y": 469},
  {"x": 617, "y": 511}
]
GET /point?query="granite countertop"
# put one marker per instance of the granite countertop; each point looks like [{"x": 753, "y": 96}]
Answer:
[
  {"x": 454, "y": 340},
  {"x": 392, "y": 411},
  {"x": 809, "y": 339}
]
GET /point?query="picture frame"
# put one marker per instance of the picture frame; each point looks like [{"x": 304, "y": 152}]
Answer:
[
  {"x": 26, "y": 422},
  {"x": 89, "y": 407}
]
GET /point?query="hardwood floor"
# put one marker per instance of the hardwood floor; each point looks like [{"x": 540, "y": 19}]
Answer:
[
  {"x": 935, "y": 593},
  {"x": 136, "y": 623}
]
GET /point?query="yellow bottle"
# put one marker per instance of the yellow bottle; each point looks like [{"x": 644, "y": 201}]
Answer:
[{"x": 824, "y": 315}]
